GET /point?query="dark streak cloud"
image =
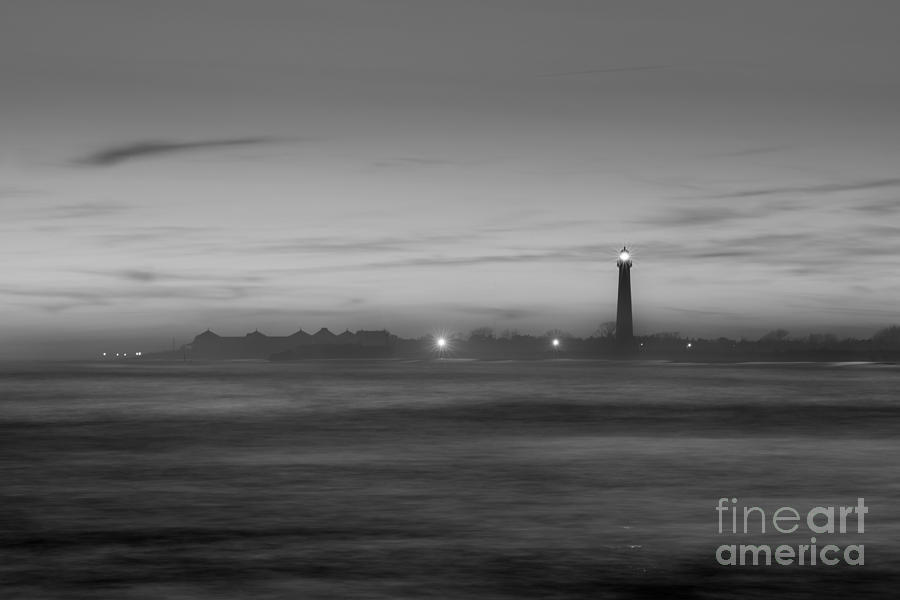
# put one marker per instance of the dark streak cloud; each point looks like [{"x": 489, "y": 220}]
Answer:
[
  {"x": 705, "y": 312},
  {"x": 453, "y": 261},
  {"x": 138, "y": 275},
  {"x": 493, "y": 312},
  {"x": 18, "y": 192},
  {"x": 825, "y": 188},
  {"x": 56, "y": 299},
  {"x": 879, "y": 207},
  {"x": 84, "y": 210},
  {"x": 340, "y": 245},
  {"x": 155, "y": 276},
  {"x": 601, "y": 71},
  {"x": 698, "y": 216},
  {"x": 343, "y": 245},
  {"x": 115, "y": 155},
  {"x": 572, "y": 254},
  {"x": 168, "y": 235},
  {"x": 412, "y": 161},
  {"x": 822, "y": 253},
  {"x": 754, "y": 151}
]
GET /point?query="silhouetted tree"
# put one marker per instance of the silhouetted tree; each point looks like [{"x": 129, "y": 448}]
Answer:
[
  {"x": 558, "y": 333},
  {"x": 887, "y": 338},
  {"x": 666, "y": 336},
  {"x": 822, "y": 340},
  {"x": 776, "y": 335},
  {"x": 481, "y": 334},
  {"x": 606, "y": 330}
]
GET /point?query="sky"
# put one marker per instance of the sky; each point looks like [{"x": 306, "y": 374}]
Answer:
[{"x": 418, "y": 165}]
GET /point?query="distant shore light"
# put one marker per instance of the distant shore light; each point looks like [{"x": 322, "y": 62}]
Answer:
[
  {"x": 441, "y": 342},
  {"x": 556, "y": 343}
]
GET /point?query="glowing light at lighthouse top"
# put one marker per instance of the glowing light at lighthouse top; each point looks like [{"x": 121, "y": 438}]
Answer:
[{"x": 624, "y": 257}]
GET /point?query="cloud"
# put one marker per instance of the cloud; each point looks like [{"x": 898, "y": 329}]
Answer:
[
  {"x": 335, "y": 245},
  {"x": 414, "y": 242},
  {"x": 115, "y": 155},
  {"x": 493, "y": 312},
  {"x": 58, "y": 299},
  {"x": 824, "y": 188},
  {"x": 156, "y": 276},
  {"x": 705, "y": 312},
  {"x": 18, "y": 192},
  {"x": 167, "y": 234},
  {"x": 695, "y": 216},
  {"x": 880, "y": 207},
  {"x": 454, "y": 261},
  {"x": 610, "y": 70},
  {"x": 753, "y": 151},
  {"x": 567, "y": 254},
  {"x": 139, "y": 275},
  {"x": 84, "y": 210},
  {"x": 540, "y": 226},
  {"x": 411, "y": 161},
  {"x": 820, "y": 253},
  {"x": 415, "y": 259},
  {"x": 705, "y": 213}
]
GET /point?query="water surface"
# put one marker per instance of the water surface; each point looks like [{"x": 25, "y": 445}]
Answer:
[{"x": 441, "y": 479}]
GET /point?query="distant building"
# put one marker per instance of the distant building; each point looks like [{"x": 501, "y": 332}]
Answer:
[
  {"x": 300, "y": 338},
  {"x": 323, "y": 336},
  {"x": 323, "y": 343}
]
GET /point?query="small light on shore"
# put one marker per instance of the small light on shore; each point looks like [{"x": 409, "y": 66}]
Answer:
[
  {"x": 441, "y": 343},
  {"x": 556, "y": 343}
]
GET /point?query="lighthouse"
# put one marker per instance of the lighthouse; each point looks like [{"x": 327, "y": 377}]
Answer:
[{"x": 624, "y": 323}]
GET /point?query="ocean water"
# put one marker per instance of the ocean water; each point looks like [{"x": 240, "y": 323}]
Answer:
[{"x": 436, "y": 479}]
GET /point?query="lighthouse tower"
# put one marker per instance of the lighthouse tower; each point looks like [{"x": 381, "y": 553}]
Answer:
[{"x": 624, "y": 323}]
